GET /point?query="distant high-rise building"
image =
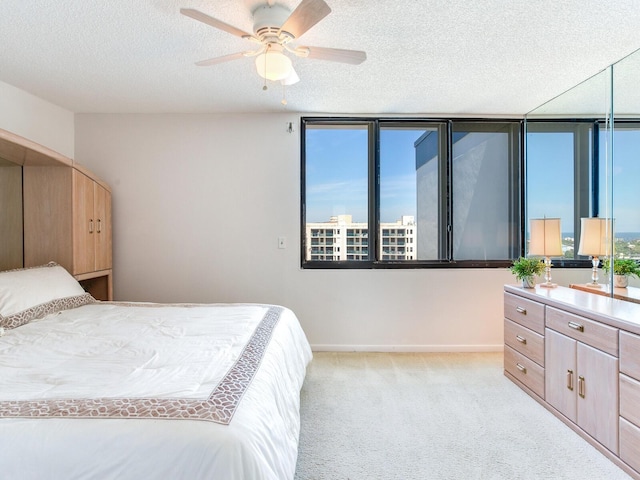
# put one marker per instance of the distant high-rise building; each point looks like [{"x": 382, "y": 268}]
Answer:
[{"x": 342, "y": 239}]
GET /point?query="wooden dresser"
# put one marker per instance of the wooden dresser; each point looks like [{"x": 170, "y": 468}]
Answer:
[{"x": 578, "y": 354}]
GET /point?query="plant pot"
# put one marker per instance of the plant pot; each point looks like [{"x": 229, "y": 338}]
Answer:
[
  {"x": 620, "y": 281},
  {"x": 529, "y": 282}
]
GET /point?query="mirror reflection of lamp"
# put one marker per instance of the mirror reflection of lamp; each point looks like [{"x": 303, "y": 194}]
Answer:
[
  {"x": 546, "y": 241},
  {"x": 595, "y": 241}
]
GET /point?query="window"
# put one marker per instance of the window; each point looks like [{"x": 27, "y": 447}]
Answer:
[
  {"x": 486, "y": 220},
  {"x": 449, "y": 188},
  {"x": 562, "y": 177},
  {"x": 336, "y": 186},
  {"x": 626, "y": 172}
]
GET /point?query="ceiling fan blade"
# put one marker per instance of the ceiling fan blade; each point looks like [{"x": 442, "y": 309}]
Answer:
[
  {"x": 216, "y": 60},
  {"x": 305, "y": 16},
  {"x": 354, "y": 57},
  {"x": 214, "y": 22}
]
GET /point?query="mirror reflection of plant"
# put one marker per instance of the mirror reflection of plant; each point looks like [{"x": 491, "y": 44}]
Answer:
[
  {"x": 622, "y": 266},
  {"x": 526, "y": 267}
]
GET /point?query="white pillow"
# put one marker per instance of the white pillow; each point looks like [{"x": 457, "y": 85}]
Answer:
[{"x": 29, "y": 287}]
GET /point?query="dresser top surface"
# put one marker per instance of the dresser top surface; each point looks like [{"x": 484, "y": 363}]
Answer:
[{"x": 617, "y": 313}]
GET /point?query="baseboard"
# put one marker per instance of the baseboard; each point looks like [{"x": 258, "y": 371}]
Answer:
[{"x": 407, "y": 348}]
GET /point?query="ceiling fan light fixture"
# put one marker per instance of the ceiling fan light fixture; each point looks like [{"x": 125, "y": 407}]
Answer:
[
  {"x": 273, "y": 64},
  {"x": 291, "y": 78}
]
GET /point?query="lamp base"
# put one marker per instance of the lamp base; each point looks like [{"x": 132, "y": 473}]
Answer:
[
  {"x": 547, "y": 274},
  {"x": 592, "y": 285}
]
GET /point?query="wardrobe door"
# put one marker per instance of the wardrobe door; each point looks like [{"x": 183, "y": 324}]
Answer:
[
  {"x": 48, "y": 215},
  {"x": 84, "y": 224},
  {"x": 102, "y": 211}
]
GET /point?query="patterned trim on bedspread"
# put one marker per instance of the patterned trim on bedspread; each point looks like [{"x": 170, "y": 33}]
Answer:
[
  {"x": 218, "y": 408},
  {"x": 44, "y": 309}
]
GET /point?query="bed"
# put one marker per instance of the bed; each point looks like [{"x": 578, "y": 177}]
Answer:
[{"x": 94, "y": 389}]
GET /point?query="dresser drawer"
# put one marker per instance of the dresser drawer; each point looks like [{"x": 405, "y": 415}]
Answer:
[
  {"x": 630, "y": 354},
  {"x": 526, "y": 312},
  {"x": 525, "y": 370},
  {"x": 525, "y": 341},
  {"x": 630, "y": 444},
  {"x": 597, "y": 335},
  {"x": 630, "y": 399}
]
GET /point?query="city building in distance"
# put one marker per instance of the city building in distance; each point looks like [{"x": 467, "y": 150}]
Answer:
[{"x": 342, "y": 239}]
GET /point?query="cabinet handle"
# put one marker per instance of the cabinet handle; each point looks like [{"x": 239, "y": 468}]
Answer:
[
  {"x": 91, "y": 225},
  {"x": 521, "y": 310},
  {"x": 576, "y": 326},
  {"x": 522, "y": 368},
  {"x": 99, "y": 229},
  {"x": 570, "y": 379},
  {"x": 581, "y": 389},
  {"x": 521, "y": 339}
]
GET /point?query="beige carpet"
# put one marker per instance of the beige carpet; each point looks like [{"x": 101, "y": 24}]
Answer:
[{"x": 431, "y": 417}]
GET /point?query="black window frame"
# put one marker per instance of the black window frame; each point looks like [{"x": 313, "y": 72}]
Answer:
[
  {"x": 374, "y": 159},
  {"x": 446, "y": 211}
]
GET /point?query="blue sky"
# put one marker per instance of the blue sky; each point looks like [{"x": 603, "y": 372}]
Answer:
[
  {"x": 550, "y": 178},
  {"x": 337, "y": 175},
  {"x": 626, "y": 178}
]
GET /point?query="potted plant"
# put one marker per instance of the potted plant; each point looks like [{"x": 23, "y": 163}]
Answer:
[
  {"x": 623, "y": 268},
  {"x": 526, "y": 269}
]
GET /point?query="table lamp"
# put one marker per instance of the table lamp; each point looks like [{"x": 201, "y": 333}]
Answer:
[
  {"x": 595, "y": 241},
  {"x": 546, "y": 240}
]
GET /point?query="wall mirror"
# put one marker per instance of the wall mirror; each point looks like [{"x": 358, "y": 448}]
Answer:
[{"x": 583, "y": 160}]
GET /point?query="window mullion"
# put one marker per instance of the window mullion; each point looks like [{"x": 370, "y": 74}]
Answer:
[
  {"x": 581, "y": 177},
  {"x": 446, "y": 200},
  {"x": 595, "y": 171},
  {"x": 374, "y": 190}
]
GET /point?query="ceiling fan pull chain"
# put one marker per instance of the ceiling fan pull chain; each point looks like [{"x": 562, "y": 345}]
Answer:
[{"x": 266, "y": 59}]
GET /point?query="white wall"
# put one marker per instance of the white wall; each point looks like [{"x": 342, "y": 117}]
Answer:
[
  {"x": 36, "y": 119},
  {"x": 199, "y": 202}
]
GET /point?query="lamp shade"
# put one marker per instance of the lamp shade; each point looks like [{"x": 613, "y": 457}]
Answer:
[
  {"x": 273, "y": 64},
  {"x": 546, "y": 238},
  {"x": 595, "y": 236}
]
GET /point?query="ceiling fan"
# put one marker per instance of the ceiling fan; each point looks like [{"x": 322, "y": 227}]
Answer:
[{"x": 274, "y": 30}]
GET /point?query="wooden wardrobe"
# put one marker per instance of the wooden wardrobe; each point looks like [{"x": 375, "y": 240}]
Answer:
[{"x": 66, "y": 214}]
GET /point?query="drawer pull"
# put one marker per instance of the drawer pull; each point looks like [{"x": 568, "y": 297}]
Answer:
[
  {"x": 521, "y": 310},
  {"x": 522, "y": 368},
  {"x": 521, "y": 339},
  {"x": 581, "y": 389},
  {"x": 570, "y": 379},
  {"x": 576, "y": 326},
  {"x": 91, "y": 225}
]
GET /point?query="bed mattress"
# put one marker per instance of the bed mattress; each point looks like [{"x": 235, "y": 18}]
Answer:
[{"x": 140, "y": 390}]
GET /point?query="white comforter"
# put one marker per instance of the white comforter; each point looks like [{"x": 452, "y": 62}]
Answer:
[{"x": 111, "y": 351}]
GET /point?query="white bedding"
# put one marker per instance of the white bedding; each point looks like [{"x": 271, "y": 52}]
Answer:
[{"x": 205, "y": 401}]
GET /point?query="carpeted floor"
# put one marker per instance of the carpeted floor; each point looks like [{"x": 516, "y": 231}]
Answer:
[{"x": 429, "y": 416}]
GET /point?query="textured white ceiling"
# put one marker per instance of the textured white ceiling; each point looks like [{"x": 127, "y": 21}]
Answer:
[{"x": 477, "y": 57}]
